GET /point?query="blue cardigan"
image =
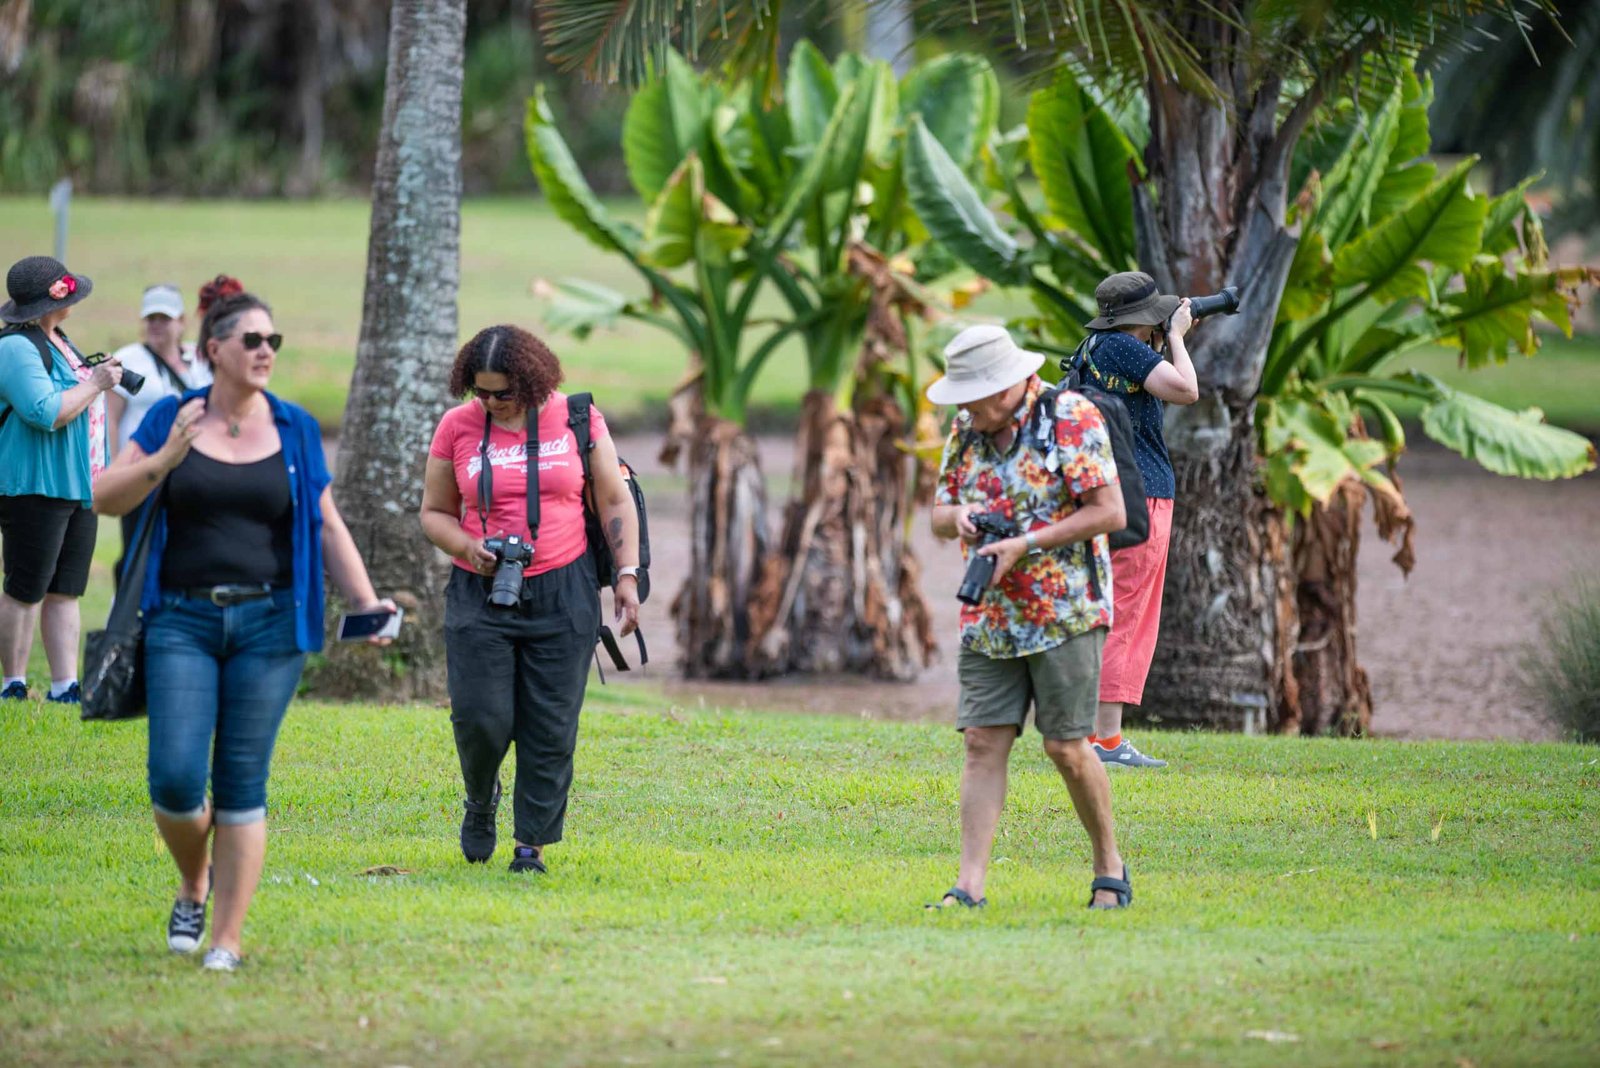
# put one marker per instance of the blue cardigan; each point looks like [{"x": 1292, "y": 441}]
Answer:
[
  {"x": 36, "y": 459},
  {"x": 308, "y": 477}
]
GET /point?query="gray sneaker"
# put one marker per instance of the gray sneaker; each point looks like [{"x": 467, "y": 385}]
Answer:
[
  {"x": 1126, "y": 756},
  {"x": 218, "y": 959}
]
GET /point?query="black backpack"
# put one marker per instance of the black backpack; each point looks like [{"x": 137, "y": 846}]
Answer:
[
  {"x": 605, "y": 565},
  {"x": 1114, "y": 412},
  {"x": 35, "y": 335}
]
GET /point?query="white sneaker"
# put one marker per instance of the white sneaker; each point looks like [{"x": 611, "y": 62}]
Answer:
[{"x": 218, "y": 959}]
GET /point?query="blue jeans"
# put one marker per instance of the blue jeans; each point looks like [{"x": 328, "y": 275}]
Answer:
[{"x": 217, "y": 673}]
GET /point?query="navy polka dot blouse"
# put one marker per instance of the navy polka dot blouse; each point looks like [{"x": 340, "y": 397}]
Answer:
[{"x": 1121, "y": 363}]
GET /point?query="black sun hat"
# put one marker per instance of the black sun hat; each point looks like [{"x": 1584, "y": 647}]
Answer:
[
  {"x": 39, "y": 285},
  {"x": 1131, "y": 298}
]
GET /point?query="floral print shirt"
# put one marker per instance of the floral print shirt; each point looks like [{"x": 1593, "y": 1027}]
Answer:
[{"x": 1046, "y": 598}]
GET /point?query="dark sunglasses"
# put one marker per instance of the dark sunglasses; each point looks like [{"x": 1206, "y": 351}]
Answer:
[
  {"x": 253, "y": 340},
  {"x": 494, "y": 394}
]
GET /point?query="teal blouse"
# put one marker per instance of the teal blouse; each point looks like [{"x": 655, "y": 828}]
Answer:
[{"x": 35, "y": 458}]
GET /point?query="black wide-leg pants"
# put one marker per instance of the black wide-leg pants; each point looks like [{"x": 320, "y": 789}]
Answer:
[{"x": 519, "y": 674}]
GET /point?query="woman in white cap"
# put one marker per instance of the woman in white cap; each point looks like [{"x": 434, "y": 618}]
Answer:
[{"x": 170, "y": 368}]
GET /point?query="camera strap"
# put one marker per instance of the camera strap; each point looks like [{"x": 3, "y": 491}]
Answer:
[{"x": 486, "y": 474}]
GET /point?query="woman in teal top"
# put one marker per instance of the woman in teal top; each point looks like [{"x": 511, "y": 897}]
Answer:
[{"x": 52, "y": 445}]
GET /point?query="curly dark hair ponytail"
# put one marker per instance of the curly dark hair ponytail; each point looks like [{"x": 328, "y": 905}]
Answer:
[{"x": 531, "y": 369}]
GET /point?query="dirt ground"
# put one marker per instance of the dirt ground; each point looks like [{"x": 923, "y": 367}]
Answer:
[{"x": 1442, "y": 648}]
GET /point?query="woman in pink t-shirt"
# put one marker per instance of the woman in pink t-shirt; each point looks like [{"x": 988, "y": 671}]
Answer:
[{"x": 518, "y": 665}]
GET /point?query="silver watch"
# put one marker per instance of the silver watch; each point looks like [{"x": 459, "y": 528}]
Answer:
[{"x": 1034, "y": 548}]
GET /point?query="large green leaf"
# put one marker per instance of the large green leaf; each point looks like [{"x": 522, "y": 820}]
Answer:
[
  {"x": 687, "y": 223},
  {"x": 953, "y": 211},
  {"x": 1082, "y": 161},
  {"x": 810, "y": 94},
  {"x": 958, "y": 98},
  {"x": 564, "y": 186},
  {"x": 1505, "y": 442},
  {"x": 1500, "y": 223},
  {"x": 580, "y": 307},
  {"x": 1443, "y": 226},
  {"x": 807, "y": 182},
  {"x": 665, "y": 121},
  {"x": 1495, "y": 312},
  {"x": 1350, "y": 185},
  {"x": 1312, "y": 452}
]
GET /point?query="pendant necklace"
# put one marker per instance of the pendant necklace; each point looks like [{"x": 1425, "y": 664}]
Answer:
[{"x": 233, "y": 429}]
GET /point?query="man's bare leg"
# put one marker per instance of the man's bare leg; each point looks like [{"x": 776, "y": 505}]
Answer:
[
  {"x": 983, "y": 795},
  {"x": 1086, "y": 781},
  {"x": 1108, "y": 719}
]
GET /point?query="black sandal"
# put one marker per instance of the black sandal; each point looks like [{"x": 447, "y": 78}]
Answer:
[
  {"x": 963, "y": 899},
  {"x": 1121, "y": 887}
]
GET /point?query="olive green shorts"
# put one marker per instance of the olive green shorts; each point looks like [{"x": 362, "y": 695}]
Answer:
[{"x": 1062, "y": 684}]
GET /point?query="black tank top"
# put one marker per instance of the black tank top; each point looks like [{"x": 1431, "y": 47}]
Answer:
[{"x": 228, "y": 523}]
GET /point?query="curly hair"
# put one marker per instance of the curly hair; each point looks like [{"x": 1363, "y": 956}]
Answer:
[
  {"x": 531, "y": 369},
  {"x": 221, "y": 286},
  {"x": 221, "y": 316}
]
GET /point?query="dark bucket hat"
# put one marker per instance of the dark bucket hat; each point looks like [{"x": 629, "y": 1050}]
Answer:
[
  {"x": 39, "y": 285},
  {"x": 1131, "y": 299}
]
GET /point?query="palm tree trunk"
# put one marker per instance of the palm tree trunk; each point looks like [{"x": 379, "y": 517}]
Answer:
[
  {"x": 408, "y": 334},
  {"x": 727, "y": 546},
  {"x": 1228, "y": 624},
  {"x": 841, "y": 594},
  {"x": 1333, "y": 693}
]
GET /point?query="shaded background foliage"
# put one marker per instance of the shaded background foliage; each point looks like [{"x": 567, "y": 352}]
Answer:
[{"x": 255, "y": 97}]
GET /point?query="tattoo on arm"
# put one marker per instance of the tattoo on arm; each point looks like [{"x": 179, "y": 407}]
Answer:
[{"x": 614, "y": 535}]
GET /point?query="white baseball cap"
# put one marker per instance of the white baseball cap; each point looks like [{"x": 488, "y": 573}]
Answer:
[
  {"x": 980, "y": 362},
  {"x": 162, "y": 299}
]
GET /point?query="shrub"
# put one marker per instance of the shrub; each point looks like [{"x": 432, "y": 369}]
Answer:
[{"x": 1563, "y": 666}]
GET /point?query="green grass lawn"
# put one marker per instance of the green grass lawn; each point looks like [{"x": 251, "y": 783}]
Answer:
[
  {"x": 746, "y": 888},
  {"x": 309, "y": 260}
]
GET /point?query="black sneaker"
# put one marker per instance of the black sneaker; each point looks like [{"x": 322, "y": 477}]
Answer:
[
  {"x": 187, "y": 924},
  {"x": 477, "y": 829},
  {"x": 525, "y": 858},
  {"x": 17, "y": 691}
]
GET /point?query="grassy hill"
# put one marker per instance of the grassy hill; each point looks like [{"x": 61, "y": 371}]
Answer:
[{"x": 747, "y": 889}]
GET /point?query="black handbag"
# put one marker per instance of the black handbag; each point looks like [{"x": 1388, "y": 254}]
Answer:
[{"x": 113, "y": 659}]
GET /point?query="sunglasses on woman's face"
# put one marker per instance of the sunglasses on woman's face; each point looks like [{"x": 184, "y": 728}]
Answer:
[
  {"x": 254, "y": 339},
  {"x": 494, "y": 394}
]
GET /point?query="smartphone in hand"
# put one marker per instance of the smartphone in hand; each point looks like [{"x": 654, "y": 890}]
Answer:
[{"x": 359, "y": 626}]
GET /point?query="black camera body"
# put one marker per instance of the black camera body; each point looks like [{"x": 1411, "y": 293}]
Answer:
[
  {"x": 980, "y": 569},
  {"x": 1223, "y": 303},
  {"x": 132, "y": 381},
  {"x": 512, "y": 554}
]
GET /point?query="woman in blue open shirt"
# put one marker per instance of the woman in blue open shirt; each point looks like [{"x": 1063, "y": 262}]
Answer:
[
  {"x": 232, "y": 602},
  {"x": 52, "y": 445}
]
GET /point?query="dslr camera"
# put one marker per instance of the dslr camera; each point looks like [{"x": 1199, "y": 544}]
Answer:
[
  {"x": 512, "y": 554},
  {"x": 132, "y": 381},
  {"x": 980, "y": 569}
]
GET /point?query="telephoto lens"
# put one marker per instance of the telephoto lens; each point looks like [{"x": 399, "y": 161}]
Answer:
[{"x": 1225, "y": 303}]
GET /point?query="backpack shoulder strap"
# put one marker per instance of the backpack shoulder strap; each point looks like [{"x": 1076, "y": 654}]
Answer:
[
  {"x": 578, "y": 405},
  {"x": 41, "y": 345}
]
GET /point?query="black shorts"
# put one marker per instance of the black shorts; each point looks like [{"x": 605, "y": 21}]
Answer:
[{"x": 47, "y": 545}]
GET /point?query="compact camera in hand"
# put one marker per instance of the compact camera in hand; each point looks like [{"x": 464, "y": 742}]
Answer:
[
  {"x": 980, "y": 569},
  {"x": 132, "y": 381},
  {"x": 512, "y": 554}
]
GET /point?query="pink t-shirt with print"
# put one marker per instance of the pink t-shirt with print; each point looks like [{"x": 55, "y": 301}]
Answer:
[{"x": 562, "y": 538}]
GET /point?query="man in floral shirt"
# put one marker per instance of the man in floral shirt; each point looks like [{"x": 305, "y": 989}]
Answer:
[{"x": 1035, "y": 637}]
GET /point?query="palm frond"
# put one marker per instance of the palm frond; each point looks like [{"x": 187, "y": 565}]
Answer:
[{"x": 624, "y": 40}]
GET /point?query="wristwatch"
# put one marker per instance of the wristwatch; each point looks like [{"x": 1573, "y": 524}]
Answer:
[
  {"x": 1034, "y": 548},
  {"x": 627, "y": 572}
]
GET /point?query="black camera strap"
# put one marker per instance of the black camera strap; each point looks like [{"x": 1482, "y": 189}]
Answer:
[{"x": 486, "y": 474}]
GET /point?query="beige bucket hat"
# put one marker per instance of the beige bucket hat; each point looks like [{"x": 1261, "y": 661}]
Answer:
[{"x": 982, "y": 361}]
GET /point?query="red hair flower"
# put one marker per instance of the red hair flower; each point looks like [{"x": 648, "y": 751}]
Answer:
[{"x": 64, "y": 287}]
